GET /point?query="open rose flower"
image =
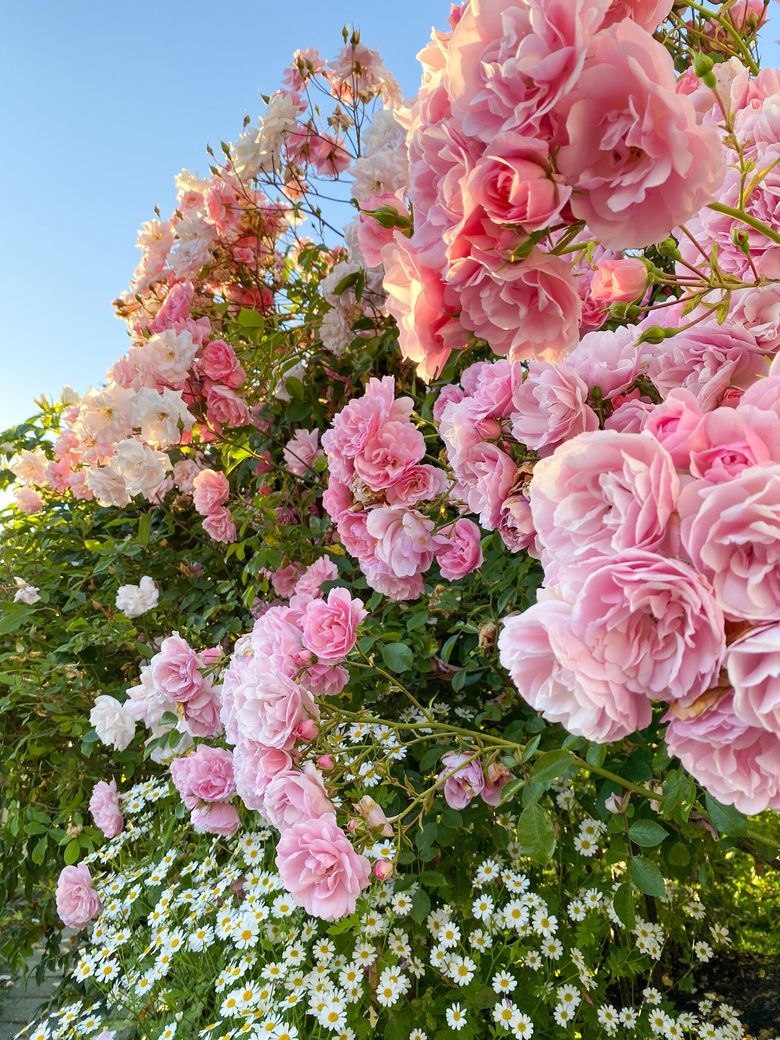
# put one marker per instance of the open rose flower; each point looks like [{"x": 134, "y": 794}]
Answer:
[
  {"x": 206, "y": 775},
  {"x": 550, "y": 406},
  {"x": 295, "y": 796},
  {"x": 104, "y": 806},
  {"x": 458, "y": 549},
  {"x": 753, "y": 664},
  {"x": 463, "y": 779},
  {"x": 175, "y": 670},
  {"x": 77, "y": 901},
  {"x": 330, "y": 625}
]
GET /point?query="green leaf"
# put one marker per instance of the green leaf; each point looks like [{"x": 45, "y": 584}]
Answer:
[
  {"x": 536, "y": 833},
  {"x": 647, "y": 877},
  {"x": 433, "y": 878},
  {"x": 13, "y": 616},
  {"x": 551, "y": 765},
  {"x": 398, "y": 657},
  {"x": 511, "y": 789},
  {"x": 647, "y": 833},
  {"x": 421, "y": 905},
  {"x": 72, "y": 850},
  {"x": 623, "y": 902},
  {"x": 726, "y": 818}
]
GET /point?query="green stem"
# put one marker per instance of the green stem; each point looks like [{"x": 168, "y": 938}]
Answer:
[{"x": 745, "y": 218}]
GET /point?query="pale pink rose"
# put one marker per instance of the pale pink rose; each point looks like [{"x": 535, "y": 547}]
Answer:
[
  {"x": 488, "y": 475},
  {"x": 466, "y": 782},
  {"x": 647, "y": 13},
  {"x": 600, "y": 493},
  {"x": 206, "y": 775},
  {"x": 515, "y": 524},
  {"x": 450, "y": 392},
  {"x": 737, "y": 763},
  {"x": 77, "y": 901},
  {"x": 210, "y": 490},
  {"x": 601, "y": 712},
  {"x": 497, "y": 776},
  {"x": 494, "y": 385},
  {"x": 254, "y": 767},
  {"x": 320, "y": 869},
  {"x": 358, "y": 421},
  {"x": 530, "y": 308},
  {"x": 763, "y": 394},
  {"x": 608, "y": 360},
  {"x": 325, "y": 680},
  {"x": 619, "y": 281},
  {"x": 676, "y": 423},
  {"x": 284, "y": 579},
  {"x": 709, "y": 360},
  {"x": 512, "y": 184},
  {"x": 354, "y": 534},
  {"x": 216, "y": 818},
  {"x": 734, "y": 439},
  {"x": 373, "y": 233},
  {"x": 646, "y": 625},
  {"x": 202, "y": 712},
  {"x": 753, "y": 664},
  {"x": 104, "y": 806},
  {"x": 404, "y": 539},
  {"x": 330, "y": 625},
  {"x": 425, "y": 309},
  {"x": 226, "y": 408},
  {"x": 758, "y": 310},
  {"x": 630, "y": 414},
  {"x": 458, "y": 549},
  {"x": 381, "y": 577},
  {"x": 270, "y": 708},
  {"x": 316, "y": 574},
  {"x": 174, "y": 669},
  {"x": 638, "y": 159},
  {"x": 337, "y": 499},
  {"x": 296, "y": 796},
  {"x": 28, "y": 500},
  {"x": 301, "y": 450},
  {"x": 550, "y": 406},
  {"x": 417, "y": 484},
  {"x": 374, "y": 815},
  {"x": 220, "y": 525},
  {"x": 731, "y": 532},
  {"x": 184, "y": 473},
  {"x": 389, "y": 453},
  {"x": 218, "y": 362}
]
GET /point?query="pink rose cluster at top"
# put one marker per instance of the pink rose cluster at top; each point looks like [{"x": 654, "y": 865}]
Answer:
[
  {"x": 660, "y": 540},
  {"x": 377, "y": 477},
  {"x": 532, "y": 118}
]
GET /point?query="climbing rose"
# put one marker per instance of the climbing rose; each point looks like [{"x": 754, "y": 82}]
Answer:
[{"x": 77, "y": 901}]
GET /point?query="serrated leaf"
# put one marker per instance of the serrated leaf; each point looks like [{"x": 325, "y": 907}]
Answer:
[
  {"x": 647, "y": 833},
  {"x": 536, "y": 834},
  {"x": 398, "y": 657},
  {"x": 623, "y": 903},
  {"x": 551, "y": 765},
  {"x": 647, "y": 877},
  {"x": 726, "y": 818}
]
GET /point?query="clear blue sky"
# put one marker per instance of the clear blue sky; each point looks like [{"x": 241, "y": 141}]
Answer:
[{"x": 102, "y": 105}]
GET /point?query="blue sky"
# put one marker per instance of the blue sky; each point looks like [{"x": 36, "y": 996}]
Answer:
[{"x": 104, "y": 104}]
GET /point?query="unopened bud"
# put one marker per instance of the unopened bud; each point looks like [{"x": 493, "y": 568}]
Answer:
[
  {"x": 307, "y": 730},
  {"x": 326, "y": 762},
  {"x": 383, "y": 869}
]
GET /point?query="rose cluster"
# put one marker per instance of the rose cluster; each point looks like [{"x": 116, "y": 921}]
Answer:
[
  {"x": 532, "y": 120},
  {"x": 377, "y": 478}
]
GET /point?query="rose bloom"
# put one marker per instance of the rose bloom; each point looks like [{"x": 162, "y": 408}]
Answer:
[
  {"x": 372, "y": 234},
  {"x": 135, "y": 600},
  {"x": 77, "y": 901},
  {"x": 638, "y": 160},
  {"x": 201, "y": 712},
  {"x": 296, "y": 796},
  {"x": 326, "y": 680},
  {"x": 529, "y": 308},
  {"x": 226, "y": 408},
  {"x": 316, "y": 574},
  {"x": 404, "y": 539},
  {"x": 731, "y": 532},
  {"x": 515, "y": 524},
  {"x": 210, "y": 490},
  {"x": 608, "y": 359},
  {"x": 112, "y": 722},
  {"x": 753, "y": 664},
  {"x": 358, "y": 421},
  {"x": 174, "y": 669},
  {"x": 218, "y": 362},
  {"x": 458, "y": 549},
  {"x": 618, "y": 281},
  {"x": 389, "y": 453},
  {"x": 283, "y": 580},
  {"x": 206, "y": 775},
  {"x": 417, "y": 484},
  {"x": 29, "y": 501},
  {"x": 270, "y": 708},
  {"x": 216, "y": 818},
  {"x": 466, "y": 782},
  {"x": 301, "y": 451},
  {"x": 330, "y": 625},
  {"x": 676, "y": 423},
  {"x": 550, "y": 406},
  {"x": 220, "y": 525},
  {"x": 647, "y": 13},
  {"x": 254, "y": 767},
  {"x": 601, "y": 712},
  {"x": 737, "y": 763},
  {"x": 600, "y": 493},
  {"x": 320, "y": 868},
  {"x": 104, "y": 806}
]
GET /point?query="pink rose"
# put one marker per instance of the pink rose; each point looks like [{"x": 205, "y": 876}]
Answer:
[
  {"x": 301, "y": 450},
  {"x": 210, "y": 490},
  {"x": 254, "y": 767},
  {"x": 458, "y": 549},
  {"x": 550, "y": 406},
  {"x": 731, "y": 440},
  {"x": 515, "y": 524},
  {"x": 737, "y": 763},
  {"x": 630, "y": 413},
  {"x": 600, "y": 493},
  {"x": 488, "y": 476},
  {"x": 449, "y": 392},
  {"x": 226, "y": 408},
  {"x": 608, "y": 360},
  {"x": 325, "y": 680},
  {"x": 330, "y": 625},
  {"x": 530, "y": 308},
  {"x": 201, "y": 712},
  {"x": 600, "y": 712},
  {"x": 270, "y": 708},
  {"x": 77, "y": 901},
  {"x": 676, "y": 423},
  {"x": 753, "y": 664},
  {"x": 619, "y": 281},
  {"x": 465, "y": 782},
  {"x": 404, "y": 539},
  {"x": 647, "y": 13},
  {"x": 638, "y": 159},
  {"x": 322, "y": 570},
  {"x": 497, "y": 776},
  {"x": 372, "y": 234},
  {"x": 174, "y": 670},
  {"x": 320, "y": 869},
  {"x": 731, "y": 532},
  {"x": 417, "y": 484},
  {"x": 216, "y": 818},
  {"x": 296, "y": 796},
  {"x": 205, "y": 775},
  {"x": 218, "y": 362},
  {"x": 104, "y": 806},
  {"x": 389, "y": 453},
  {"x": 358, "y": 421},
  {"x": 220, "y": 525},
  {"x": 283, "y": 579},
  {"x": 28, "y": 500},
  {"x": 381, "y": 578}
]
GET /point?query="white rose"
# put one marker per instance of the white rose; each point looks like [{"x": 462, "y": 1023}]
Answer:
[
  {"x": 26, "y": 593},
  {"x": 135, "y": 600},
  {"x": 112, "y": 723}
]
